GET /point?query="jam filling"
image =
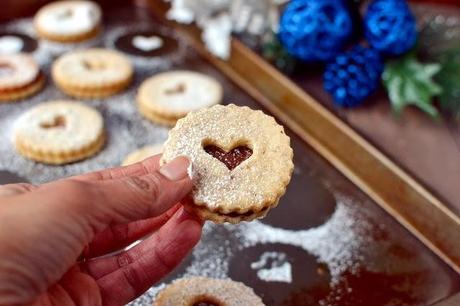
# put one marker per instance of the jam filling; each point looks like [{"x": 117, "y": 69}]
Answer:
[
  {"x": 231, "y": 159},
  {"x": 93, "y": 65},
  {"x": 179, "y": 89},
  {"x": 58, "y": 122},
  {"x": 206, "y": 301},
  {"x": 204, "y": 304}
]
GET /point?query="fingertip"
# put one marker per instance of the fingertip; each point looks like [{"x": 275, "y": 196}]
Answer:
[{"x": 177, "y": 169}]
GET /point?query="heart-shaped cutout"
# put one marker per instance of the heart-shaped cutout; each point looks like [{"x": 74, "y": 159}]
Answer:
[
  {"x": 10, "y": 44},
  {"x": 230, "y": 159},
  {"x": 205, "y": 302},
  {"x": 57, "y": 122},
  {"x": 147, "y": 43}
]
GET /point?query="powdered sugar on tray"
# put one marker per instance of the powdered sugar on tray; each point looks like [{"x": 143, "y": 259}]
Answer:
[
  {"x": 280, "y": 269},
  {"x": 336, "y": 243}
]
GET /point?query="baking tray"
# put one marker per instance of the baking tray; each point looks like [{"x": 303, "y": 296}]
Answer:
[{"x": 328, "y": 243}]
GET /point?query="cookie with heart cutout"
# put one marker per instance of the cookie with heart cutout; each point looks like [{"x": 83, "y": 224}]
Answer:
[
  {"x": 241, "y": 160},
  {"x": 197, "y": 291},
  {"x": 69, "y": 21},
  {"x": 59, "y": 132},
  {"x": 166, "y": 97},
  {"x": 92, "y": 73}
]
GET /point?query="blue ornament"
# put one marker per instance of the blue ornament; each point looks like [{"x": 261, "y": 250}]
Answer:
[
  {"x": 390, "y": 27},
  {"x": 353, "y": 76},
  {"x": 315, "y": 30}
]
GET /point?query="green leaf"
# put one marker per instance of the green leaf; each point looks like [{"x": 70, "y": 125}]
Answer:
[
  {"x": 449, "y": 79},
  {"x": 275, "y": 53},
  {"x": 410, "y": 82}
]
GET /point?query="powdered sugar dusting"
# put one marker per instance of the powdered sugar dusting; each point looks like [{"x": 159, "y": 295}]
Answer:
[
  {"x": 10, "y": 44},
  {"x": 338, "y": 244},
  {"x": 279, "y": 270},
  {"x": 335, "y": 242}
]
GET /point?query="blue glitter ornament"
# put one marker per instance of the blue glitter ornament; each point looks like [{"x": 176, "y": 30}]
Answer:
[
  {"x": 353, "y": 76},
  {"x": 315, "y": 30},
  {"x": 390, "y": 27}
]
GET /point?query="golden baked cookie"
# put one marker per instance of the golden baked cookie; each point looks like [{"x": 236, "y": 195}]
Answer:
[
  {"x": 166, "y": 97},
  {"x": 92, "y": 73},
  {"x": 59, "y": 132},
  {"x": 20, "y": 77},
  {"x": 207, "y": 291},
  {"x": 69, "y": 21},
  {"x": 142, "y": 153},
  {"x": 241, "y": 161}
]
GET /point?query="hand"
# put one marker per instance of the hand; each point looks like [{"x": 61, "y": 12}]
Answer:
[{"x": 44, "y": 229}]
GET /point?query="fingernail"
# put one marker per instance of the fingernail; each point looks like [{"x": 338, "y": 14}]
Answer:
[{"x": 176, "y": 169}]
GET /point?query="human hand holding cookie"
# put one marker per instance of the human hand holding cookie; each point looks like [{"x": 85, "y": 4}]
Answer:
[{"x": 44, "y": 229}]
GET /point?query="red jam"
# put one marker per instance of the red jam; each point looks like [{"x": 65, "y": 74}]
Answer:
[{"x": 231, "y": 159}]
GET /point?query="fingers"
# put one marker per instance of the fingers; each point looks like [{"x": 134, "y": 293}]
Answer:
[
  {"x": 139, "y": 197},
  {"x": 123, "y": 277},
  {"x": 120, "y": 236},
  {"x": 98, "y": 204},
  {"x": 15, "y": 189},
  {"x": 138, "y": 169}
]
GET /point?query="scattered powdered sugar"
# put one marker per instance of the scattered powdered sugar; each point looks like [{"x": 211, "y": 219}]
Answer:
[
  {"x": 335, "y": 243},
  {"x": 10, "y": 44},
  {"x": 145, "y": 43},
  {"x": 280, "y": 269}
]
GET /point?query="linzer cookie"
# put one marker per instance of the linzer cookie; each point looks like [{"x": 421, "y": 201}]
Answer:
[
  {"x": 242, "y": 161},
  {"x": 92, "y": 73},
  {"x": 59, "y": 132},
  {"x": 68, "y": 21},
  {"x": 20, "y": 77},
  {"x": 169, "y": 96},
  {"x": 196, "y": 291},
  {"x": 142, "y": 153}
]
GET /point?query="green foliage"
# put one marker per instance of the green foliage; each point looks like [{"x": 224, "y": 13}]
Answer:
[
  {"x": 276, "y": 54},
  {"x": 449, "y": 79},
  {"x": 410, "y": 82}
]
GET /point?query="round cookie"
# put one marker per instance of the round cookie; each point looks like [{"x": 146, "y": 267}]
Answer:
[
  {"x": 92, "y": 73},
  {"x": 69, "y": 21},
  {"x": 20, "y": 77},
  {"x": 59, "y": 132},
  {"x": 206, "y": 291},
  {"x": 241, "y": 161},
  {"x": 169, "y": 96},
  {"x": 142, "y": 153}
]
